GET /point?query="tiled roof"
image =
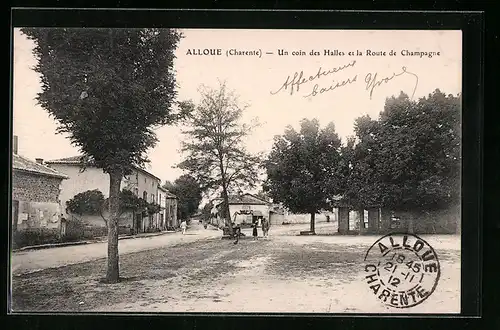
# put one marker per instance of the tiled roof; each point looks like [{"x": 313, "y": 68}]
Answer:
[
  {"x": 67, "y": 160},
  {"x": 78, "y": 160},
  {"x": 21, "y": 163},
  {"x": 247, "y": 199}
]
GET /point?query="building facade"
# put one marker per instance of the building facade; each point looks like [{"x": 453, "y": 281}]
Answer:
[
  {"x": 35, "y": 196},
  {"x": 142, "y": 183},
  {"x": 162, "y": 201},
  {"x": 167, "y": 217}
]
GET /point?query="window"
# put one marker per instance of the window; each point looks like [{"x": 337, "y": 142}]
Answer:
[
  {"x": 145, "y": 196},
  {"x": 152, "y": 198}
]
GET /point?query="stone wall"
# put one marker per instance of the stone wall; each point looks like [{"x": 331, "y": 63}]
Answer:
[
  {"x": 445, "y": 221},
  {"x": 433, "y": 222},
  {"x": 36, "y": 215},
  {"x": 35, "y": 188}
]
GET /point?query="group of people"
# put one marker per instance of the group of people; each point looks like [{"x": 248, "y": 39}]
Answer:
[
  {"x": 237, "y": 230},
  {"x": 265, "y": 228},
  {"x": 264, "y": 225}
]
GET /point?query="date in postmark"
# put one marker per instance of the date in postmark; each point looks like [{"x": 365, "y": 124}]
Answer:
[{"x": 401, "y": 270}]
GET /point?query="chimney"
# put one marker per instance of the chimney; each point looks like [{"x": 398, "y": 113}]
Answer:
[
  {"x": 14, "y": 145},
  {"x": 39, "y": 160}
]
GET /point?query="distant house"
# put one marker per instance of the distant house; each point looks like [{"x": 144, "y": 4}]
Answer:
[
  {"x": 35, "y": 195},
  {"x": 243, "y": 209},
  {"x": 142, "y": 183},
  {"x": 168, "y": 205}
]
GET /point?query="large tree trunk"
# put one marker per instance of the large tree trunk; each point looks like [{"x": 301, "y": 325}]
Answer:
[
  {"x": 313, "y": 217},
  {"x": 226, "y": 213},
  {"x": 113, "y": 274}
]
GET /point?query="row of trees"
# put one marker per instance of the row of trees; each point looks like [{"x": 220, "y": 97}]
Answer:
[{"x": 406, "y": 160}]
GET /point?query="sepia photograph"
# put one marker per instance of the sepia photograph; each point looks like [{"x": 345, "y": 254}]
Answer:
[{"x": 159, "y": 170}]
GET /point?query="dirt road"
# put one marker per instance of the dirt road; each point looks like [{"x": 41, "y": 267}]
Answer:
[
  {"x": 281, "y": 274},
  {"x": 35, "y": 260}
]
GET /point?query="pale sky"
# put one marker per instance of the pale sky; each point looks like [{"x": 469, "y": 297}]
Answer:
[{"x": 254, "y": 78}]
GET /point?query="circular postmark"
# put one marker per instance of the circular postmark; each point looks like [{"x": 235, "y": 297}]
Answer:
[{"x": 401, "y": 270}]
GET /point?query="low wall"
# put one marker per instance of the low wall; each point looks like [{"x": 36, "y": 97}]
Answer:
[
  {"x": 35, "y": 236},
  {"x": 431, "y": 222},
  {"x": 303, "y": 218}
]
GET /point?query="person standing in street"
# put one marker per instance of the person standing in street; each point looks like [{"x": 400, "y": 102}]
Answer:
[
  {"x": 236, "y": 232},
  {"x": 183, "y": 226},
  {"x": 265, "y": 227},
  {"x": 254, "y": 231}
]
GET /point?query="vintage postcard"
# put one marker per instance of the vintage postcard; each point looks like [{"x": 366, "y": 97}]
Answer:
[{"x": 236, "y": 171}]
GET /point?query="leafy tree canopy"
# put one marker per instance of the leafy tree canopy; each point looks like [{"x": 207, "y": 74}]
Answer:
[
  {"x": 410, "y": 157},
  {"x": 189, "y": 194},
  {"x": 92, "y": 202},
  {"x": 303, "y": 167},
  {"x": 88, "y": 202},
  {"x": 108, "y": 88}
]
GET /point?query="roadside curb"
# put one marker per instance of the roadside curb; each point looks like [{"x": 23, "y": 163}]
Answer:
[
  {"x": 97, "y": 240},
  {"x": 48, "y": 246}
]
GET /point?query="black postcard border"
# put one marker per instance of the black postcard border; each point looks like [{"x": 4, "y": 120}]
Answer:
[{"x": 472, "y": 26}]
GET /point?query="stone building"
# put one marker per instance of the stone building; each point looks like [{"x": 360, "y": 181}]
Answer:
[{"x": 35, "y": 195}]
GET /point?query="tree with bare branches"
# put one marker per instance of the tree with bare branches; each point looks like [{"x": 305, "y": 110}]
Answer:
[{"x": 214, "y": 147}]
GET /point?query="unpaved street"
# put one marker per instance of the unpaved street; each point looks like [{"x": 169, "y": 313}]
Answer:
[
  {"x": 34, "y": 260},
  {"x": 285, "y": 273}
]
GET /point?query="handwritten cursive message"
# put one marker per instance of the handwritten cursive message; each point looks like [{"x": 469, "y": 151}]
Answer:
[
  {"x": 372, "y": 80},
  {"x": 298, "y": 79},
  {"x": 317, "y": 90}
]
